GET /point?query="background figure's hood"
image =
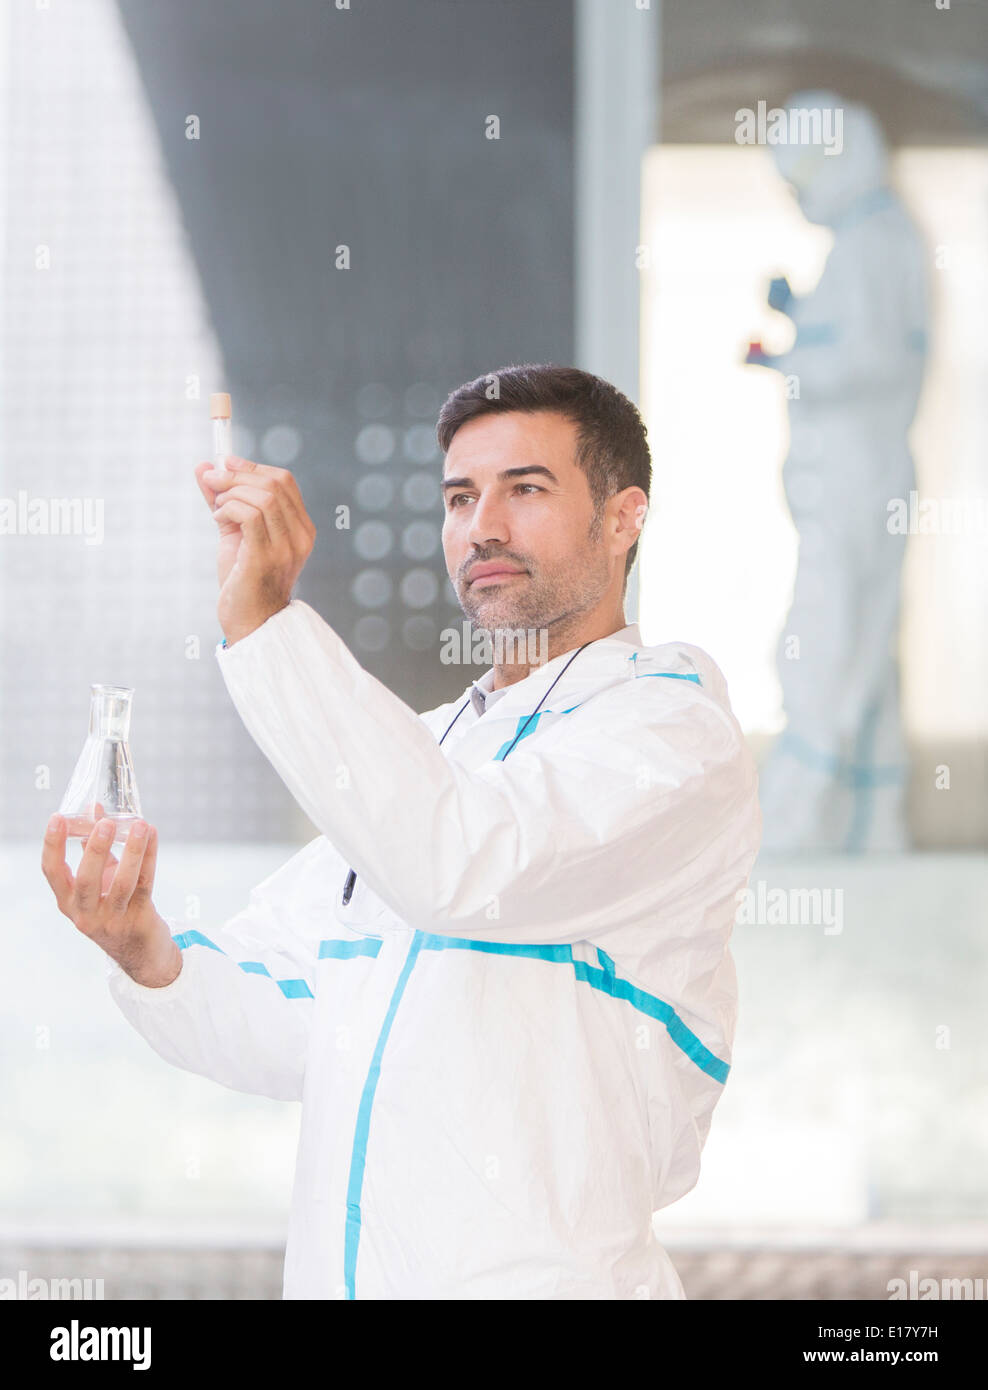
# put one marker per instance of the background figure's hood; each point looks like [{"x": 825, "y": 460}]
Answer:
[{"x": 828, "y": 184}]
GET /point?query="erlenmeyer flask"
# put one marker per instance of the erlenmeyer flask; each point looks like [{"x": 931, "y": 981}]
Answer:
[{"x": 104, "y": 774}]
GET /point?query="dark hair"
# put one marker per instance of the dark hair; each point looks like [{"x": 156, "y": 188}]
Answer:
[{"x": 612, "y": 446}]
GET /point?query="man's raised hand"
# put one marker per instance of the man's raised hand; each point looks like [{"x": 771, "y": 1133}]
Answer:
[{"x": 266, "y": 536}]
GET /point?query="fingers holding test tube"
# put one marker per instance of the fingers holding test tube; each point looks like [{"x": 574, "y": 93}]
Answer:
[
  {"x": 273, "y": 492},
  {"x": 266, "y": 536}
]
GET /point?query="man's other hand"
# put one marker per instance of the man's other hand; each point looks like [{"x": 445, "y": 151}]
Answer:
[{"x": 109, "y": 900}]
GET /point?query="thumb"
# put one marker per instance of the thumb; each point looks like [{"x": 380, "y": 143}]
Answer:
[{"x": 204, "y": 487}]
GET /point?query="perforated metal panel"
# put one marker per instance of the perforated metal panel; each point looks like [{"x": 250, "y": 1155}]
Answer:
[{"x": 177, "y": 266}]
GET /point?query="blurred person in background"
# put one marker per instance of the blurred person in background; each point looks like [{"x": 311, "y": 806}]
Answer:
[{"x": 836, "y": 778}]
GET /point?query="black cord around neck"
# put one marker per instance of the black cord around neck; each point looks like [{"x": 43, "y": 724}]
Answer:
[
  {"x": 545, "y": 697},
  {"x": 351, "y": 878}
]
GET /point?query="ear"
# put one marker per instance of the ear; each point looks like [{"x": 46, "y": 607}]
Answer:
[{"x": 630, "y": 510}]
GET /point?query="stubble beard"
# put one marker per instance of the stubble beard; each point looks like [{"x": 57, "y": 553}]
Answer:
[{"x": 541, "y": 600}]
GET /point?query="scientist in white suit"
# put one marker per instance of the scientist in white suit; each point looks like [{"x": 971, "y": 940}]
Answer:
[
  {"x": 499, "y": 979},
  {"x": 837, "y": 778}
]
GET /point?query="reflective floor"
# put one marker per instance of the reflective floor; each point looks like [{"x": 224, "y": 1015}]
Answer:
[{"x": 856, "y": 1112}]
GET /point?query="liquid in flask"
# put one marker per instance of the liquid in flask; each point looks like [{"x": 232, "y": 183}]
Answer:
[{"x": 103, "y": 783}]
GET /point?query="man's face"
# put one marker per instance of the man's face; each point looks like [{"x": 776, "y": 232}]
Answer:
[{"x": 518, "y": 503}]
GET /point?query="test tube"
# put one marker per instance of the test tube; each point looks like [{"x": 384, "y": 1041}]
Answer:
[{"x": 221, "y": 414}]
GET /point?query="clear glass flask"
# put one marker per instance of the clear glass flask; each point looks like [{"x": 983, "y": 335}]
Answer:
[{"x": 103, "y": 783}]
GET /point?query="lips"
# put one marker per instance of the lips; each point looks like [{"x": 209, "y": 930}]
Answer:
[{"x": 490, "y": 570}]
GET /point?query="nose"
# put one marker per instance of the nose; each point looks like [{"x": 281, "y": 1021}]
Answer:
[{"x": 488, "y": 523}]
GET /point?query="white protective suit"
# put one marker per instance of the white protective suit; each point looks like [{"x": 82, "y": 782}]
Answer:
[
  {"x": 837, "y": 777},
  {"x": 509, "y": 1044}
]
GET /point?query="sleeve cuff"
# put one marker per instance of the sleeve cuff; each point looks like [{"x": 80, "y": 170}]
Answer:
[
  {"x": 124, "y": 987},
  {"x": 225, "y": 653}
]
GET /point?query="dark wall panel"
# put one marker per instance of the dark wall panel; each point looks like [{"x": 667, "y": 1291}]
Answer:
[{"x": 365, "y": 127}]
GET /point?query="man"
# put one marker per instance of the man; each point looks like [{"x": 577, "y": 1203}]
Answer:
[
  {"x": 499, "y": 979},
  {"x": 836, "y": 778}
]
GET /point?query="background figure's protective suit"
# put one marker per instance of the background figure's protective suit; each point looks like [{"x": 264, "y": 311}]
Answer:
[
  {"x": 509, "y": 1042},
  {"x": 836, "y": 778}
]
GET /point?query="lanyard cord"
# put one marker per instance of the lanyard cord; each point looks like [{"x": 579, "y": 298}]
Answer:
[
  {"x": 524, "y": 727},
  {"x": 351, "y": 877}
]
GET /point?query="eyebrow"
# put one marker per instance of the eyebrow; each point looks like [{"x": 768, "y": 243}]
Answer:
[{"x": 502, "y": 477}]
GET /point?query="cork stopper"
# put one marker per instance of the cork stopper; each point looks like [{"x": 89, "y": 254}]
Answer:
[{"x": 219, "y": 406}]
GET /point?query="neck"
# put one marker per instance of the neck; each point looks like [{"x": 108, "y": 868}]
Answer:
[{"x": 564, "y": 635}]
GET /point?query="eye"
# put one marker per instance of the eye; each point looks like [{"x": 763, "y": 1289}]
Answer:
[
  {"x": 532, "y": 486},
  {"x": 456, "y": 497}
]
